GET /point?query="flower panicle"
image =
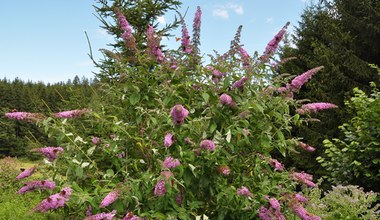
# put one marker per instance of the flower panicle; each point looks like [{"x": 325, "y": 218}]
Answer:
[
  {"x": 110, "y": 198},
  {"x": 153, "y": 45},
  {"x": 244, "y": 191},
  {"x": 300, "y": 80},
  {"x": 197, "y": 29},
  {"x": 71, "y": 113},
  {"x": 51, "y": 153},
  {"x": 127, "y": 35},
  {"x": 272, "y": 46},
  {"x": 39, "y": 184},
  {"x": 170, "y": 162},
  {"x": 315, "y": 107},
  {"x": 54, "y": 201},
  {"x": 26, "y": 173},
  {"x": 25, "y": 116},
  {"x": 102, "y": 216}
]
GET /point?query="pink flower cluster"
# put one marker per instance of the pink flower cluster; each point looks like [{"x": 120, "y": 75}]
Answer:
[
  {"x": 95, "y": 140},
  {"x": 127, "y": 35},
  {"x": 102, "y": 216},
  {"x": 276, "y": 165},
  {"x": 244, "y": 191},
  {"x": 54, "y": 201},
  {"x": 304, "y": 178},
  {"x": 39, "y": 184},
  {"x": 153, "y": 45},
  {"x": 306, "y": 147},
  {"x": 131, "y": 216},
  {"x": 272, "y": 46},
  {"x": 207, "y": 145},
  {"x": 71, "y": 113},
  {"x": 159, "y": 189},
  {"x": 273, "y": 212},
  {"x": 24, "y": 116},
  {"x": 301, "y": 212},
  {"x": 179, "y": 113},
  {"x": 225, "y": 99},
  {"x": 315, "y": 107},
  {"x": 110, "y": 198},
  {"x": 169, "y": 140},
  {"x": 245, "y": 57},
  {"x": 170, "y": 162},
  {"x": 240, "y": 83},
  {"x": 216, "y": 74},
  {"x": 26, "y": 173},
  {"x": 225, "y": 170},
  {"x": 298, "y": 81},
  {"x": 185, "y": 41},
  {"x": 49, "y": 152},
  {"x": 300, "y": 198}
]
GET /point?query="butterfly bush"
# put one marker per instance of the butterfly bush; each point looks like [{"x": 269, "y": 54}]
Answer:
[
  {"x": 200, "y": 139},
  {"x": 26, "y": 173}
]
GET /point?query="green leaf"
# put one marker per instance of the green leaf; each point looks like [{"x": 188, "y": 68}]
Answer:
[
  {"x": 134, "y": 98},
  {"x": 79, "y": 172},
  {"x": 213, "y": 127},
  {"x": 228, "y": 136},
  {"x": 205, "y": 96},
  {"x": 91, "y": 150}
]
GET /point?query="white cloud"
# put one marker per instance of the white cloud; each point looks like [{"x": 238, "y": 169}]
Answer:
[
  {"x": 221, "y": 13},
  {"x": 270, "y": 20},
  {"x": 161, "y": 20},
  {"x": 238, "y": 9}
]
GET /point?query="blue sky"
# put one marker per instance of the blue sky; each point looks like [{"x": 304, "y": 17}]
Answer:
[{"x": 44, "y": 40}]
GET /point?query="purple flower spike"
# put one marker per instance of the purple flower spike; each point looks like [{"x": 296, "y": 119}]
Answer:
[
  {"x": 185, "y": 42},
  {"x": 25, "y": 116},
  {"x": 54, "y": 201},
  {"x": 272, "y": 46},
  {"x": 304, "y": 178},
  {"x": 276, "y": 164},
  {"x": 245, "y": 57},
  {"x": 274, "y": 204},
  {"x": 207, "y": 145},
  {"x": 225, "y": 99},
  {"x": 110, "y": 198},
  {"x": 179, "y": 113},
  {"x": 298, "y": 81},
  {"x": 244, "y": 191},
  {"x": 306, "y": 147},
  {"x": 71, "y": 113},
  {"x": 49, "y": 152},
  {"x": 26, "y": 173},
  {"x": 153, "y": 45},
  {"x": 131, "y": 216},
  {"x": 159, "y": 189},
  {"x": 240, "y": 83},
  {"x": 127, "y": 35},
  {"x": 170, "y": 162},
  {"x": 169, "y": 140},
  {"x": 40, "y": 184},
  {"x": 300, "y": 198},
  {"x": 102, "y": 216},
  {"x": 315, "y": 107}
]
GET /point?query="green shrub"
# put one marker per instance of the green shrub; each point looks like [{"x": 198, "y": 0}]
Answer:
[{"x": 356, "y": 158}]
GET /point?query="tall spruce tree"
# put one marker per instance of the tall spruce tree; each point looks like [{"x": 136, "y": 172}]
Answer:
[{"x": 341, "y": 35}]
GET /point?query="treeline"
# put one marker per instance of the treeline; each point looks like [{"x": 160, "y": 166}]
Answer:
[
  {"x": 343, "y": 36},
  {"x": 17, "y": 137}
]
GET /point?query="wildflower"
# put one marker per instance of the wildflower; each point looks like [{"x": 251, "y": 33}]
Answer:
[
  {"x": 153, "y": 45},
  {"x": 95, "y": 140},
  {"x": 131, "y": 216},
  {"x": 159, "y": 189},
  {"x": 26, "y": 173},
  {"x": 298, "y": 81},
  {"x": 168, "y": 140},
  {"x": 300, "y": 198},
  {"x": 245, "y": 57},
  {"x": 303, "y": 178},
  {"x": 301, "y": 212},
  {"x": 269, "y": 214},
  {"x": 244, "y": 191},
  {"x": 54, "y": 201},
  {"x": 50, "y": 152},
  {"x": 179, "y": 113},
  {"x": 127, "y": 35},
  {"x": 71, "y": 113},
  {"x": 110, "y": 198},
  {"x": 276, "y": 165},
  {"x": 197, "y": 29},
  {"x": 240, "y": 83},
  {"x": 102, "y": 216},
  {"x": 169, "y": 162},
  {"x": 185, "y": 42},
  {"x": 25, "y": 116},
  {"x": 188, "y": 140},
  {"x": 225, "y": 99},
  {"x": 207, "y": 145},
  {"x": 224, "y": 169},
  {"x": 272, "y": 46},
  {"x": 39, "y": 184},
  {"x": 89, "y": 211},
  {"x": 315, "y": 107},
  {"x": 274, "y": 203},
  {"x": 306, "y": 147}
]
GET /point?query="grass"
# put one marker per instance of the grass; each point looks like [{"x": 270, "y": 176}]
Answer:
[{"x": 12, "y": 205}]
